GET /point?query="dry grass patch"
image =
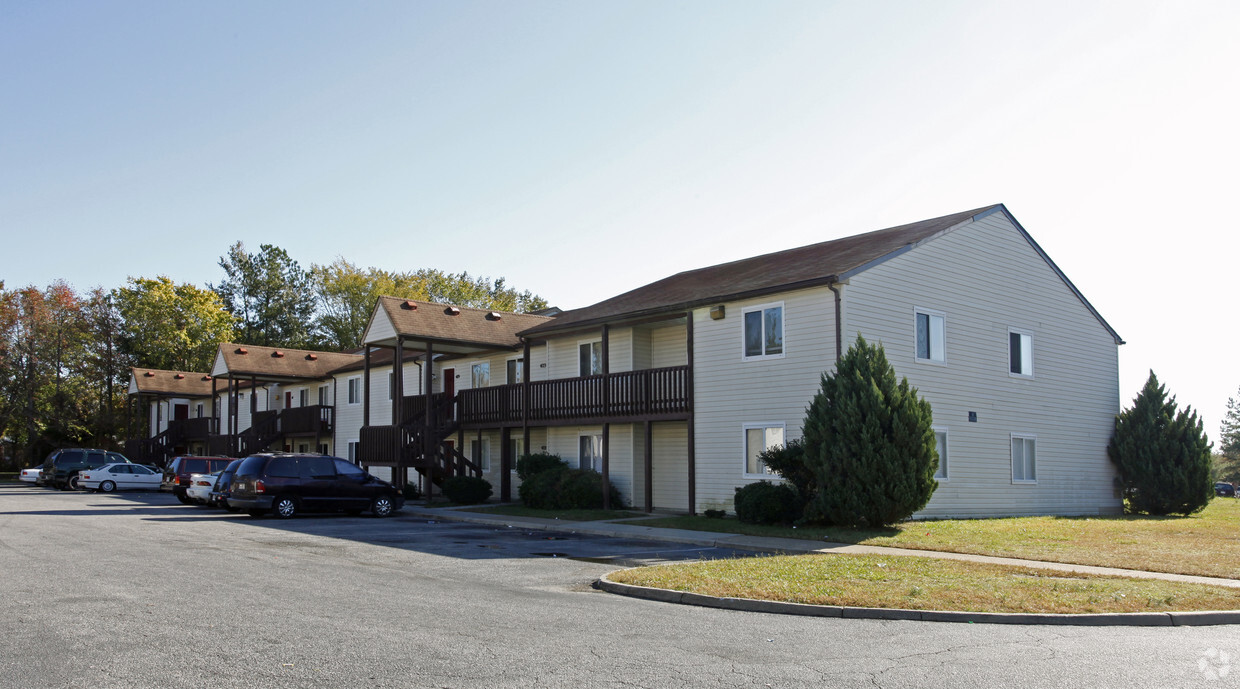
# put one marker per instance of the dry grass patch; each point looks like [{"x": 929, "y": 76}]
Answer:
[
  {"x": 564, "y": 515},
  {"x": 1206, "y": 544},
  {"x": 919, "y": 583}
]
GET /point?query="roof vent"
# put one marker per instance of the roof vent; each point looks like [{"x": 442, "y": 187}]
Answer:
[
  {"x": 149, "y": 374},
  {"x": 277, "y": 354},
  {"x": 452, "y": 311},
  {"x": 179, "y": 376},
  {"x": 493, "y": 315},
  {"x": 242, "y": 350},
  {"x": 410, "y": 305},
  {"x": 312, "y": 357}
]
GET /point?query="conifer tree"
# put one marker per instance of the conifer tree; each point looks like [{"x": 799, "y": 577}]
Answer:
[
  {"x": 869, "y": 443},
  {"x": 1163, "y": 455}
]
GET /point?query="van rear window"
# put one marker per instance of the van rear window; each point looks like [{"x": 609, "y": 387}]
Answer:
[{"x": 193, "y": 466}]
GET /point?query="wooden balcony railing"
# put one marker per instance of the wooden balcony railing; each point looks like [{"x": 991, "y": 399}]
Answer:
[
  {"x": 316, "y": 418},
  {"x": 194, "y": 429},
  {"x": 630, "y": 394}
]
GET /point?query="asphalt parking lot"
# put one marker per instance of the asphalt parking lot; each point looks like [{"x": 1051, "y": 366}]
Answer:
[{"x": 137, "y": 590}]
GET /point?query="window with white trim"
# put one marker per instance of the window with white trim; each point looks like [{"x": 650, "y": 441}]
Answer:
[
  {"x": 590, "y": 452},
  {"x": 590, "y": 358},
  {"x": 480, "y": 453},
  {"x": 355, "y": 390},
  {"x": 303, "y": 397},
  {"x": 480, "y": 375},
  {"x": 514, "y": 449},
  {"x": 940, "y": 446},
  {"x": 352, "y": 445},
  {"x": 763, "y": 331},
  {"x": 515, "y": 371},
  {"x": 1020, "y": 354},
  {"x": 1024, "y": 459},
  {"x": 391, "y": 384},
  {"x": 199, "y": 410},
  {"x": 322, "y": 395},
  {"x": 931, "y": 335},
  {"x": 760, "y": 437}
]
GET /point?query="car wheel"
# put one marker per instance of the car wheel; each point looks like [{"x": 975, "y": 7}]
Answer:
[
  {"x": 107, "y": 487},
  {"x": 382, "y": 506},
  {"x": 72, "y": 483},
  {"x": 284, "y": 507},
  {"x": 183, "y": 498}
]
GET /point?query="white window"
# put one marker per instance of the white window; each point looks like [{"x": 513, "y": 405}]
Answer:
[
  {"x": 480, "y": 453},
  {"x": 480, "y": 375},
  {"x": 199, "y": 410},
  {"x": 1020, "y": 354},
  {"x": 931, "y": 335},
  {"x": 758, "y": 438},
  {"x": 590, "y": 452},
  {"x": 322, "y": 395},
  {"x": 322, "y": 448},
  {"x": 355, "y": 390},
  {"x": 515, "y": 372},
  {"x": 303, "y": 397},
  {"x": 391, "y": 385},
  {"x": 514, "y": 447},
  {"x": 1024, "y": 459},
  {"x": 590, "y": 358},
  {"x": 940, "y": 445},
  {"x": 763, "y": 331},
  {"x": 352, "y": 451}
]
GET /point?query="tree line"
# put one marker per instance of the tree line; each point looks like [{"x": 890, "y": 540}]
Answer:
[{"x": 65, "y": 355}]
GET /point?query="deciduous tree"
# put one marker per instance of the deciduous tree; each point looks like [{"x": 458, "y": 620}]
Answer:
[{"x": 170, "y": 326}]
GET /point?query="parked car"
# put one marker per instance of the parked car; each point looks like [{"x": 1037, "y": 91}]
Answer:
[
  {"x": 32, "y": 475},
  {"x": 286, "y": 484},
  {"x": 1224, "y": 490},
  {"x": 61, "y": 468},
  {"x": 223, "y": 487},
  {"x": 200, "y": 486},
  {"x": 121, "y": 476},
  {"x": 178, "y": 471}
]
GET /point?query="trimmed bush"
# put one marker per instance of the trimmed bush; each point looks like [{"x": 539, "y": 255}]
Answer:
[
  {"x": 869, "y": 443},
  {"x": 467, "y": 490},
  {"x": 1163, "y": 455},
  {"x": 528, "y": 465},
  {"x": 768, "y": 503},
  {"x": 564, "y": 488},
  {"x": 411, "y": 492},
  {"x": 788, "y": 460}
]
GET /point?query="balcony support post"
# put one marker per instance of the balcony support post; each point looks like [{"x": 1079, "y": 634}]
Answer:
[
  {"x": 689, "y": 394},
  {"x": 606, "y": 412},
  {"x": 526, "y": 374},
  {"x": 428, "y": 440},
  {"x": 366, "y": 387},
  {"x": 505, "y": 464},
  {"x": 400, "y": 473},
  {"x": 648, "y": 479}
]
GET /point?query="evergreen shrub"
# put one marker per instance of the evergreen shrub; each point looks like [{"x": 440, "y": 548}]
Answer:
[
  {"x": 768, "y": 503},
  {"x": 467, "y": 490},
  {"x": 528, "y": 465}
]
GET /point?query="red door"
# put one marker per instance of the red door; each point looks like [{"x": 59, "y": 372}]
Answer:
[
  {"x": 449, "y": 381},
  {"x": 288, "y": 400},
  {"x": 180, "y": 412}
]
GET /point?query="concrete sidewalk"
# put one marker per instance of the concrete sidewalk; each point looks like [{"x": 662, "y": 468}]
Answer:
[{"x": 774, "y": 545}]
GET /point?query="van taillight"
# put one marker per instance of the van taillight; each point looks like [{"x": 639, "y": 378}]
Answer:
[
  {"x": 176, "y": 481},
  {"x": 259, "y": 487}
]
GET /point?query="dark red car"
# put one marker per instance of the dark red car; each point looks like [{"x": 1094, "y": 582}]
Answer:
[{"x": 176, "y": 475}]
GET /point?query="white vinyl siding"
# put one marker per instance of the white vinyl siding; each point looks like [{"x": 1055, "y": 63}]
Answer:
[{"x": 996, "y": 281}]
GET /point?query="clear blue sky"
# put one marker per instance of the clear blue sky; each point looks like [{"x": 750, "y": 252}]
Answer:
[{"x": 581, "y": 149}]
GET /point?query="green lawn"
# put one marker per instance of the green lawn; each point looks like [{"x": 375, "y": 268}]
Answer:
[
  {"x": 920, "y": 583},
  {"x": 1205, "y": 544}
]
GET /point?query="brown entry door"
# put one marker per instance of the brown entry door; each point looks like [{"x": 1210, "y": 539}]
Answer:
[
  {"x": 449, "y": 382},
  {"x": 180, "y": 412},
  {"x": 288, "y": 400}
]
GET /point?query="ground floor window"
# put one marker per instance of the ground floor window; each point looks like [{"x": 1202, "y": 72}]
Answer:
[
  {"x": 758, "y": 438},
  {"x": 940, "y": 444},
  {"x": 1024, "y": 459},
  {"x": 590, "y": 452},
  {"x": 352, "y": 445},
  {"x": 479, "y": 453}
]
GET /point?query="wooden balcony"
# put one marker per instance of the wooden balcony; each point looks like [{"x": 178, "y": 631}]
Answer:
[
  {"x": 194, "y": 429},
  {"x": 646, "y": 394},
  {"x": 311, "y": 420}
]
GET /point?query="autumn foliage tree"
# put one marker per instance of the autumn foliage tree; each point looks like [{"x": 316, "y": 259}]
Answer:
[{"x": 169, "y": 326}]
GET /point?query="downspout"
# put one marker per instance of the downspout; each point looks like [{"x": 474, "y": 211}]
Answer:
[{"x": 839, "y": 326}]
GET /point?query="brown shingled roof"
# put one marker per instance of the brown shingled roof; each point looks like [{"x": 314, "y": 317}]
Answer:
[
  {"x": 816, "y": 264},
  {"x": 153, "y": 381},
  {"x": 444, "y": 323},
  {"x": 280, "y": 363}
]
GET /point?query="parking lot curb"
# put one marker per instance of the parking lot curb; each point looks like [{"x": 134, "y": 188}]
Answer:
[{"x": 1129, "y": 619}]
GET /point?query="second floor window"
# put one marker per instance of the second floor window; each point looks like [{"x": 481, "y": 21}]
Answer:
[
  {"x": 355, "y": 390},
  {"x": 1020, "y": 354},
  {"x": 323, "y": 395},
  {"x": 516, "y": 371},
  {"x": 931, "y": 336},
  {"x": 303, "y": 397},
  {"x": 591, "y": 358},
  {"x": 480, "y": 375},
  {"x": 764, "y": 331}
]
